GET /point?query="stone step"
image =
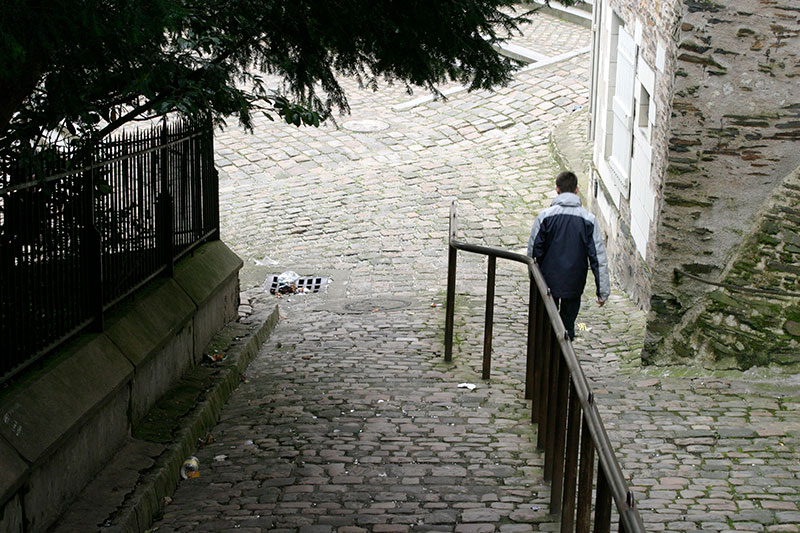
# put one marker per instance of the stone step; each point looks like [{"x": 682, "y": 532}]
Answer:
[{"x": 133, "y": 488}]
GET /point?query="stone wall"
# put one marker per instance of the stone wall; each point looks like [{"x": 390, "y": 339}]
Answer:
[
  {"x": 753, "y": 317},
  {"x": 630, "y": 272},
  {"x": 732, "y": 143},
  {"x": 61, "y": 423}
]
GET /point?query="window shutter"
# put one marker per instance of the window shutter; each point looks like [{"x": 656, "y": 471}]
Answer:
[{"x": 622, "y": 108}]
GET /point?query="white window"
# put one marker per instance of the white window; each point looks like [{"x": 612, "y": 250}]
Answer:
[
  {"x": 621, "y": 116},
  {"x": 644, "y": 110}
]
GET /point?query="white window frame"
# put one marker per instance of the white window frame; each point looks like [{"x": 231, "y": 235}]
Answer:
[{"x": 642, "y": 196}]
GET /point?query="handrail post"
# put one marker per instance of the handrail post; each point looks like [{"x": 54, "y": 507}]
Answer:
[
  {"x": 543, "y": 378},
  {"x": 560, "y": 426},
  {"x": 585, "y": 475},
  {"x": 571, "y": 463},
  {"x": 602, "y": 507},
  {"x": 488, "y": 324},
  {"x": 552, "y": 409},
  {"x": 539, "y": 343},
  {"x": 451, "y": 288},
  {"x": 529, "y": 356}
]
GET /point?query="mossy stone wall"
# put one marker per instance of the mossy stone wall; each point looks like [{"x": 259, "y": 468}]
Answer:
[
  {"x": 752, "y": 318},
  {"x": 733, "y": 148}
]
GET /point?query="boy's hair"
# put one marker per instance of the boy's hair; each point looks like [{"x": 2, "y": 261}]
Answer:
[{"x": 567, "y": 181}]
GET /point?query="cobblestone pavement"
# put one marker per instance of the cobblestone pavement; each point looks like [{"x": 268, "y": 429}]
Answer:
[{"x": 349, "y": 419}]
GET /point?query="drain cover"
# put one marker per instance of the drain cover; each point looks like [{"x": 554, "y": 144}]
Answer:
[
  {"x": 366, "y": 126},
  {"x": 370, "y": 305},
  {"x": 308, "y": 284}
]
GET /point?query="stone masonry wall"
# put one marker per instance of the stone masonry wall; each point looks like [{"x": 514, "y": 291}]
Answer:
[
  {"x": 740, "y": 328},
  {"x": 733, "y": 141}
]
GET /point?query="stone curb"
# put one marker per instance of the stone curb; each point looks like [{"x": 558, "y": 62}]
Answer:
[
  {"x": 241, "y": 341},
  {"x": 567, "y": 149}
]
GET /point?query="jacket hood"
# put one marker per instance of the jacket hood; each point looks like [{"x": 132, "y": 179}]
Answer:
[{"x": 567, "y": 199}]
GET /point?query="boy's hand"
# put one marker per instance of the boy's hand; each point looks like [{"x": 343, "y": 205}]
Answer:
[{"x": 600, "y": 301}]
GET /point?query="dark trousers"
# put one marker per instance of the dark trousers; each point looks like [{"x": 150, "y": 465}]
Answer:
[{"x": 568, "y": 309}]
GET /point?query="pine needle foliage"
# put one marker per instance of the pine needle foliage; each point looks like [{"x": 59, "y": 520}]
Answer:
[{"x": 78, "y": 70}]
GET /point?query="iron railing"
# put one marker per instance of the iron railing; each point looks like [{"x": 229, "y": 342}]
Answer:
[
  {"x": 570, "y": 430},
  {"x": 80, "y": 229}
]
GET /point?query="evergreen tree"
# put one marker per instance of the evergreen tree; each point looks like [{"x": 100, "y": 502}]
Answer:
[{"x": 85, "y": 68}]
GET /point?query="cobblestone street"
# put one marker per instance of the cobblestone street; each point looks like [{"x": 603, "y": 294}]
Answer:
[{"x": 350, "y": 420}]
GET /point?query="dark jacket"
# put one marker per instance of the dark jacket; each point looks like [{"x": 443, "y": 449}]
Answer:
[{"x": 565, "y": 241}]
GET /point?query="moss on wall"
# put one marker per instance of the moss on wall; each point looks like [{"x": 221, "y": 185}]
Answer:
[
  {"x": 741, "y": 328},
  {"x": 733, "y": 137}
]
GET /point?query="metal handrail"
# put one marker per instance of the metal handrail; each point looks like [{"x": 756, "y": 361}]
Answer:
[{"x": 563, "y": 403}]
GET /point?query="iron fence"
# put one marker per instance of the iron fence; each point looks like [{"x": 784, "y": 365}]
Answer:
[
  {"x": 81, "y": 229},
  {"x": 570, "y": 430}
]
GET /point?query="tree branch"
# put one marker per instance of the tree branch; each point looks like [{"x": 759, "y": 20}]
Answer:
[{"x": 127, "y": 117}]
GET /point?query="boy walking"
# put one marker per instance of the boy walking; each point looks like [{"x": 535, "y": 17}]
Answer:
[{"x": 565, "y": 241}]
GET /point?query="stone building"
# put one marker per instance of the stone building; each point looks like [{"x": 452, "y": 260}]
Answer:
[{"x": 695, "y": 177}]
